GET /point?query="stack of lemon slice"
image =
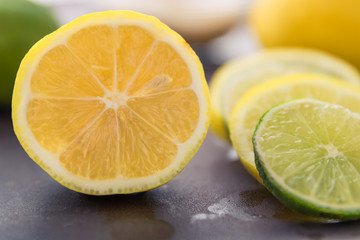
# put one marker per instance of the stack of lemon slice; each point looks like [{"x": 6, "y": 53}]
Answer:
[
  {"x": 304, "y": 150},
  {"x": 235, "y": 78}
]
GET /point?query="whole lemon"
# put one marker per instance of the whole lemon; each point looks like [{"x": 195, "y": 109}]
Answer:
[
  {"x": 329, "y": 25},
  {"x": 22, "y": 23}
]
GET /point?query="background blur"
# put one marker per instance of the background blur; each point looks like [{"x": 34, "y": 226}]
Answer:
[
  {"x": 200, "y": 22},
  {"x": 216, "y": 29}
]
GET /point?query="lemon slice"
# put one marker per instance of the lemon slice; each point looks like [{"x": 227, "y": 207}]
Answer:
[
  {"x": 307, "y": 153},
  {"x": 113, "y": 102},
  {"x": 234, "y": 79},
  {"x": 266, "y": 95}
]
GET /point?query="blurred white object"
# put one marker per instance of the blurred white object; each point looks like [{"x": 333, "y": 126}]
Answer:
[
  {"x": 195, "y": 20},
  {"x": 238, "y": 42}
]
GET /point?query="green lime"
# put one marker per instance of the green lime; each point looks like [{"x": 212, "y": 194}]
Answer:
[
  {"x": 307, "y": 153},
  {"x": 22, "y": 23}
]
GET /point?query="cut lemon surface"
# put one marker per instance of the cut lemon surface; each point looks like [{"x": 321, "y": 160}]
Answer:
[
  {"x": 234, "y": 79},
  {"x": 259, "y": 99},
  {"x": 307, "y": 153},
  {"x": 113, "y": 102}
]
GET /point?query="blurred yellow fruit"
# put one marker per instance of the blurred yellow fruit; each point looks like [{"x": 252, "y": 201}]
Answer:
[
  {"x": 22, "y": 23},
  {"x": 329, "y": 25}
]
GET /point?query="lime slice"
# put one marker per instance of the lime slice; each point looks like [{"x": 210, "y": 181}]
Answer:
[
  {"x": 235, "y": 78},
  {"x": 259, "y": 99},
  {"x": 307, "y": 154}
]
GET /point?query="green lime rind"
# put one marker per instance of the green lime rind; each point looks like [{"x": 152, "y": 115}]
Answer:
[
  {"x": 22, "y": 23},
  {"x": 292, "y": 201}
]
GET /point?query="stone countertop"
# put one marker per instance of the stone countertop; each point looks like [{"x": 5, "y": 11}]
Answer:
[{"x": 213, "y": 198}]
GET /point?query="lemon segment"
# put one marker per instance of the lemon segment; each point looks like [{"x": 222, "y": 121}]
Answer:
[
  {"x": 141, "y": 42},
  {"x": 160, "y": 68},
  {"x": 52, "y": 117},
  {"x": 61, "y": 74},
  {"x": 173, "y": 113}
]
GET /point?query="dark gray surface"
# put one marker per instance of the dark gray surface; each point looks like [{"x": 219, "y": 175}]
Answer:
[{"x": 213, "y": 198}]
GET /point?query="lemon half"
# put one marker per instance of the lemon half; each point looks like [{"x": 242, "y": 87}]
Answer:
[{"x": 113, "y": 102}]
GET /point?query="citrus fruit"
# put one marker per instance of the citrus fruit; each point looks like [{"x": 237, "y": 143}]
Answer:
[
  {"x": 329, "y": 25},
  {"x": 236, "y": 77},
  {"x": 259, "y": 99},
  {"x": 113, "y": 102},
  {"x": 22, "y": 23},
  {"x": 307, "y": 154}
]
